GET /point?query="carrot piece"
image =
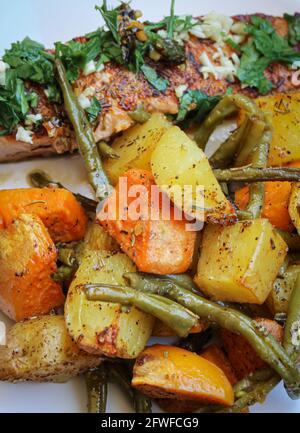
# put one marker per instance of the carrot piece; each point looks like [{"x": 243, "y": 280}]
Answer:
[
  {"x": 276, "y": 203},
  {"x": 156, "y": 245},
  {"x": 58, "y": 209},
  {"x": 216, "y": 355},
  {"x": 172, "y": 372},
  {"x": 27, "y": 261},
  {"x": 242, "y": 356}
]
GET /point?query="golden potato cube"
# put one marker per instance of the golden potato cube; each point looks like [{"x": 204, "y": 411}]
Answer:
[
  {"x": 178, "y": 161},
  {"x": 240, "y": 263},
  {"x": 284, "y": 110},
  {"x": 135, "y": 146}
]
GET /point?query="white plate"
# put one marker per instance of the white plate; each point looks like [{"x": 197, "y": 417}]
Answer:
[{"x": 47, "y": 22}]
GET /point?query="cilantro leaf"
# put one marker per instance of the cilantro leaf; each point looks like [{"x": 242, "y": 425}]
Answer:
[
  {"x": 93, "y": 110},
  {"x": 294, "y": 28},
  {"x": 203, "y": 105},
  {"x": 159, "y": 83}
]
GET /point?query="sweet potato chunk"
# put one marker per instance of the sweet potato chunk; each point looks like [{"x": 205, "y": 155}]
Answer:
[
  {"x": 58, "y": 209},
  {"x": 172, "y": 372},
  {"x": 27, "y": 260},
  {"x": 159, "y": 246},
  {"x": 242, "y": 356}
]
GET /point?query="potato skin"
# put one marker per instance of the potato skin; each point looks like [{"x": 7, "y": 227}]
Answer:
[
  {"x": 27, "y": 260},
  {"x": 41, "y": 350},
  {"x": 239, "y": 263}
]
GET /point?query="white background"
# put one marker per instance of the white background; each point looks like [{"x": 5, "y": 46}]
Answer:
[{"x": 48, "y": 21}]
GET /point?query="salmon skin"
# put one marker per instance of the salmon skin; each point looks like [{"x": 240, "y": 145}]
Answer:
[{"x": 121, "y": 91}]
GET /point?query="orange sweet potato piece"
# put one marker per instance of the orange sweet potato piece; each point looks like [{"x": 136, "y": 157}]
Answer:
[
  {"x": 242, "y": 356},
  {"x": 157, "y": 246},
  {"x": 216, "y": 355},
  {"x": 27, "y": 260},
  {"x": 59, "y": 210},
  {"x": 276, "y": 203},
  {"x": 174, "y": 373}
]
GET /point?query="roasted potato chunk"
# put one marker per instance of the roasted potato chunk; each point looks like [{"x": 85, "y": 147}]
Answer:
[
  {"x": 41, "y": 350},
  {"x": 176, "y": 162},
  {"x": 135, "y": 147},
  {"x": 278, "y": 299},
  {"x": 100, "y": 327},
  {"x": 240, "y": 263},
  {"x": 285, "y": 117},
  {"x": 294, "y": 206}
]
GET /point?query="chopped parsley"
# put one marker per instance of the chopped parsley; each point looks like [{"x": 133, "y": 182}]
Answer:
[
  {"x": 264, "y": 48},
  {"x": 93, "y": 110},
  {"x": 203, "y": 105},
  {"x": 294, "y": 28}
]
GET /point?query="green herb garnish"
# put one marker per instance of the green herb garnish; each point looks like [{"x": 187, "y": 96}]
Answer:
[
  {"x": 93, "y": 110},
  {"x": 264, "y": 48},
  {"x": 203, "y": 105},
  {"x": 294, "y": 28},
  {"x": 159, "y": 83}
]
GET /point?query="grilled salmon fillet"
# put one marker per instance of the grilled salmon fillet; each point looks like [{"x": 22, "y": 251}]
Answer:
[{"x": 121, "y": 91}]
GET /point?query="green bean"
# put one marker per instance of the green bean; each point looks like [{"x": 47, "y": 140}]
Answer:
[
  {"x": 106, "y": 151},
  {"x": 246, "y": 385},
  {"x": 138, "y": 280},
  {"x": 292, "y": 240},
  {"x": 243, "y": 215},
  {"x": 96, "y": 381},
  {"x": 292, "y": 327},
  {"x": 291, "y": 340},
  {"x": 264, "y": 344},
  {"x": 225, "y": 153},
  {"x": 67, "y": 256},
  {"x": 223, "y": 109},
  {"x": 84, "y": 135},
  {"x": 140, "y": 115},
  {"x": 119, "y": 374},
  {"x": 256, "y": 200},
  {"x": 176, "y": 317},
  {"x": 63, "y": 273},
  {"x": 254, "y": 135},
  {"x": 257, "y": 395},
  {"x": 40, "y": 179},
  {"x": 251, "y": 174}
]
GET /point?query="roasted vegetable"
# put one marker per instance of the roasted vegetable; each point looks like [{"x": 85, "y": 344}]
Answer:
[
  {"x": 135, "y": 147},
  {"x": 284, "y": 109},
  {"x": 216, "y": 355},
  {"x": 27, "y": 260},
  {"x": 173, "y": 315},
  {"x": 242, "y": 356},
  {"x": 240, "y": 263},
  {"x": 172, "y": 372},
  {"x": 58, "y": 209},
  {"x": 188, "y": 165},
  {"x": 84, "y": 135},
  {"x": 232, "y": 320},
  {"x": 162, "y": 330},
  {"x": 142, "y": 236},
  {"x": 96, "y": 382},
  {"x": 105, "y": 328},
  {"x": 294, "y": 206},
  {"x": 278, "y": 299},
  {"x": 291, "y": 340},
  {"x": 276, "y": 202},
  {"x": 41, "y": 350}
]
